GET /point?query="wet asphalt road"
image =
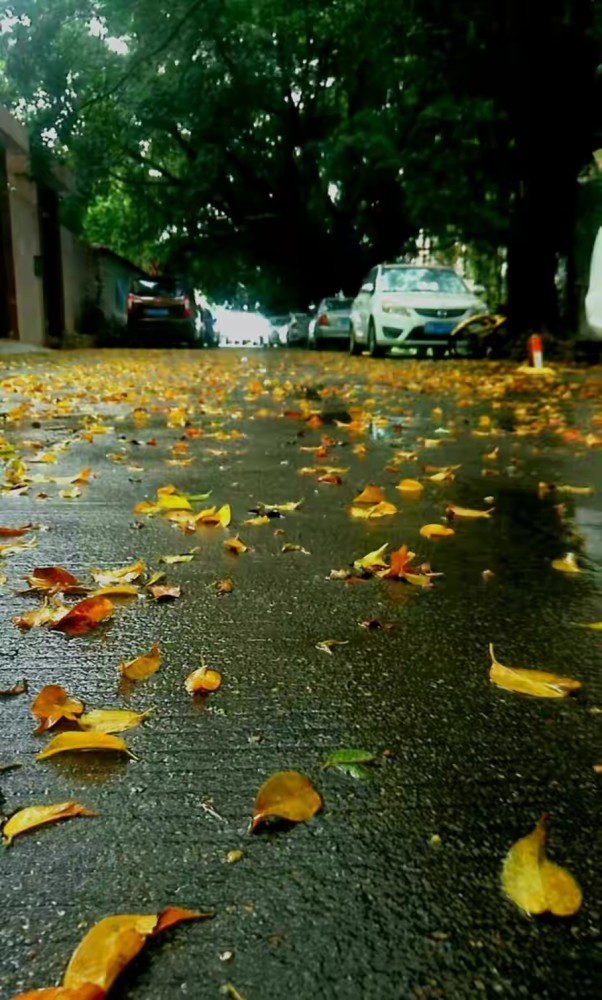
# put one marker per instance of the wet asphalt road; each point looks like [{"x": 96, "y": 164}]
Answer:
[{"x": 357, "y": 904}]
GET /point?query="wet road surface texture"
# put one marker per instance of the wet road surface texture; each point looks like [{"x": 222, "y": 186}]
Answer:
[{"x": 363, "y": 901}]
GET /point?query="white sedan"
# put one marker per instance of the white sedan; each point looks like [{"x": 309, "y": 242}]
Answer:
[
  {"x": 410, "y": 306},
  {"x": 238, "y": 328}
]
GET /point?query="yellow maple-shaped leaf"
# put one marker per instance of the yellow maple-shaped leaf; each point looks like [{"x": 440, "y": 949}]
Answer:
[
  {"x": 371, "y": 495},
  {"x": 373, "y": 560},
  {"x": 410, "y": 487},
  {"x": 141, "y": 666},
  {"x": 203, "y": 681},
  {"x": 436, "y": 531},
  {"x": 66, "y": 742},
  {"x": 453, "y": 511},
  {"x": 34, "y": 816},
  {"x": 538, "y": 683},
  {"x": 536, "y": 884},
  {"x": 568, "y": 564},
  {"x": 286, "y": 795},
  {"x": 383, "y": 509},
  {"x": 111, "y": 720},
  {"x": 113, "y": 942}
]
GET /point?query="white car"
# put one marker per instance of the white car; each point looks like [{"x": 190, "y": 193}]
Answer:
[
  {"x": 410, "y": 306},
  {"x": 239, "y": 328},
  {"x": 593, "y": 299}
]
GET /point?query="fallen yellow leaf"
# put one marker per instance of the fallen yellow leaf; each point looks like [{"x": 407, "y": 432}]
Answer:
[
  {"x": 111, "y": 720},
  {"x": 436, "y": 531},
  {"x": 373, "y": 560},
  {"x": 327, "y": 645},
  {"x": 143, "y": 666},
  {"x": 66, "y": 742},
  {"x": 235, "y": 545},
  {"x": 568, "y": 564},
  {"x": 286, "y": 795},
  {"x": 112, "y": 577},
  {"x": 203, "y": 681},
  {"x": 34, "y": 816},
  {"x": 261, "y": 519},
  {"x": 453, "y": 511},
  {"x": 537, "y": 683},
  {"x": 214, "y": 517},
  {"x": 536, "y": 884},
  {"x": 383, "y": 509},
  {"x": 410, "y": 487},
  {"x": 370, "y": 495},
  {"x": 53, "y": 704}
]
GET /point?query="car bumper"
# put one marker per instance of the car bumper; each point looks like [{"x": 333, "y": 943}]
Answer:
[{"x": 417, "y": 331}]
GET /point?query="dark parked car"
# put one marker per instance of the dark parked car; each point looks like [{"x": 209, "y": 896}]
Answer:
[{"x": 162, "y": 310}]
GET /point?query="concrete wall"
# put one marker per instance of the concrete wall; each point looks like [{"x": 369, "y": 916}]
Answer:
[
  {"x": 26, "y": 247},
  {"x": 78, "y": 279}
]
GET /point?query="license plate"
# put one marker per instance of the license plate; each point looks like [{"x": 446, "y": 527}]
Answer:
[
  {"x": 438, "y": 327},
  {"x": 157, "y": 312}
]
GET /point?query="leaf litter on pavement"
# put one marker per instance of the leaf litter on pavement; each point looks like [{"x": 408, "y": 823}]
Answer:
[{"x": 185, "y": 426}]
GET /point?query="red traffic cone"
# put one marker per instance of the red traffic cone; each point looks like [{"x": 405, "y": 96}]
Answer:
[{"x": 535, "y": 347}]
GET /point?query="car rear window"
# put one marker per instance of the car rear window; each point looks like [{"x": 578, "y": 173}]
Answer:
[
  {"x": 334, "y": 304},
  {"x": 158, "y": 288}
]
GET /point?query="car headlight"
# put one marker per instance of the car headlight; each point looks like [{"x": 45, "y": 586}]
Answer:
[
  {"x": 396, "y": 308},
  {"x": 478, "y": 308}
]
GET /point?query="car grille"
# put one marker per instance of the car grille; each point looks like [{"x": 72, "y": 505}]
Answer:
[{"x": 441, "y": 313}]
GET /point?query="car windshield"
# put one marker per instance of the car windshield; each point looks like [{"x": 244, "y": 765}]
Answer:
[
  {"x": 158, "y": 288},
  {"x": 332, "y": 305},
  {"x": 421, "y": 279}
]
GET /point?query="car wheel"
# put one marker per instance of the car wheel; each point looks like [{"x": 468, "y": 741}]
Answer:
[
  {"x": 354, "y": 347},
  {"x": 374, "y": 349},
  {"x": 439, "y": 352}
]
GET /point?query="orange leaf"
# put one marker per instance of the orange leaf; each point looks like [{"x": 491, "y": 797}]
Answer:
[
  {"x": 113, "y": 942},
  {"x": 286, "y": 795},
  {"x": 436, "y": 531},
  {"x": 17, "y": 532},
  {"x": 224, "y": 587},
  {"x": 53, "y": 704},
  {"x": 371, "y": 495},
  {"x": 203, "y": 681},
  {"x": 34, "y": 816},
  {"x": 400, "y": 561},
  {"x": 85, "y": 992},
  {"x": 52, "y": 579},
  {"x": 141, "y": 667},
  {"x": 84, "y": 616},
  {"x": 331, "y": 479}
]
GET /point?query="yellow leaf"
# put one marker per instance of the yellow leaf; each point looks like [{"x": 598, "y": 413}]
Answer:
[
  {"x": 286, "y": 795},
  {"x": 327, "y": 645},
  {"x": 453, "y": 511},
  {"x": 174, "y": 560},
  {"x": 568, "y": 564},
  {"x": 112, "y": 944},
  {"x": 535, "y": 884},
  {"x": 576, "y": 490},
  {"x": 410, "y": 487},
  {"x": 235, "y": 545},
  {"x": 155, "y": 578},
  {"x": 203, "y": 681},
  {"x": 127, "y": 574},
  {"x": 595, "y": 626},
  {"x": 436, "y": 531},
  {"x": 373, "y": 560},
  {"x": 116, "y": 590},
  {"x": 261, "y": 519},
  {"x": 71, "y": 494},
  {"x": 221, "y": 517},
  {"x": 111, "y": 720},
  {"x": 141, "y": 666},
  {"x": 370, "y": 495},
  {"x": 65, "y": 742},
  {"x": 86, "y": 992},
  {"x": 33, "y": 816},
  {"x": 146, "y": 507},
  {"x": 537, "y": 683},
  {"x": 173, "y": 501},
  {"x": 45, "y": 615},
  {"x": 383, "y": 509}
]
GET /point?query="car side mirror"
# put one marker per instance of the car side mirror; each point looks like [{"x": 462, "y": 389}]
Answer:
[
  {"x": 368, "y": 287},
  {"x": 479, "y": 290}
]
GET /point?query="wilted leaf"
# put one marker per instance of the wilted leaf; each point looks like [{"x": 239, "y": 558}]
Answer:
[
  {"x": 111, "y": 577},
  {"x": 52, "y": 579},
  {"x": 198, "y": 497},
  {"x": 410, "y": 487},
  {"x": 141, "y": 666},
  {"x": 575, "y": 490},
  {"x": 537, "y": 683},
  {"x": 52, "y": 705},
  {"x": 373, "y": 625},
  {"x": 372, "y": 561},
  {"x": 111, "y": 720},
  {"x": 331, "y": 479},
  {"x": 536, "y": 884},
  {"x": 165, "y": 593},
  {"x": 568, "y": 564},
  {"x": 235, "y": 545},
  {"x": 18, "y": 546},
  {"x": 39, "y": 616},
  {"x": 453, "y": 511},
  {"x": 17, "y": 532},
  {"x": 371, "y": 495},
  {"x": 280, "y": 508},
  {"x": 436, "y": 531},
  {"x": 203, "y": 681},
  {"x": 84, "y": 616},
  {"x": 159, "y": 575},
  {"x": 383, "y": 509},
  {"x": 33, "y": 816},
  {"x": 19, "y": 688},
  {"x": 291, "y": 547},
  {"x": 174, "y": 560},
  {"x": 338, "y": 757},
  {"x": 286, "y": 795},
  {"x": 70, "y": 494},
  {"x": 327, "y": 645},
  {"x": 67, "y": 742}
]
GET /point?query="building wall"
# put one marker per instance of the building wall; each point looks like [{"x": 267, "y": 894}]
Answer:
[
  {"x": 26, "y": 247},
  {"x": 78, "y": 279}
]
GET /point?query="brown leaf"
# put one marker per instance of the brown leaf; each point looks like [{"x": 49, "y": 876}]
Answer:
[
  {"x": 52, "y": 579},
  {"x": 373, "y": 624},
  {"x": 19, "y": 688},
  {"x": 286, "y": 795},
  {"x": 52, "y": 705},
  {"x": 25, "y": 529}
]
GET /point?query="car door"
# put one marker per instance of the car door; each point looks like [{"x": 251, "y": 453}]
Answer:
[{"x": 362, "y": 306}]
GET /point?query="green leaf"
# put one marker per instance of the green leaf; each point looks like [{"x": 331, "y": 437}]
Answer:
[
  {"x": 339, "y": 757},
  {"x": 357, "y": 771},
  {"x": 197, "y": 497}
]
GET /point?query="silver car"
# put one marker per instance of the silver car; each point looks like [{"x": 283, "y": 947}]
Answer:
[{"x": 331, "y": 322}]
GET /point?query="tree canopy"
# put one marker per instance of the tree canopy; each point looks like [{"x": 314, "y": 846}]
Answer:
[{"x": 291, "y": 144}]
